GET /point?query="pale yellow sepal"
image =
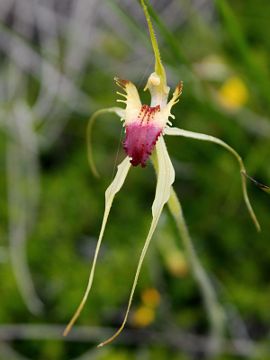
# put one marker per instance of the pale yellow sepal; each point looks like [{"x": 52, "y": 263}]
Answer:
[
  {"x": 131, "y": 99},
  {"x": 165, "y": 179},
  {"x": 204, "y": 137},
  {"x": 110, "y": 193},
  {"x": 162, "y": 117}
]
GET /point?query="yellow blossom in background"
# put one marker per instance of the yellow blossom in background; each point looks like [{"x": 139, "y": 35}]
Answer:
[
  {"x": 177, "y": 264},
  {"x": 173, "y": 256},
  {"x": 143, "y": 316},
  {"x": 233, "y": 94},
  {"x": 150, "y": 297}
]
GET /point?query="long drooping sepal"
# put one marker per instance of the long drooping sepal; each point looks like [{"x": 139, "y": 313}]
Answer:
[
  {"x": 115, "y": 110},
  {"x": 213, "y": 308},
  {"x": 165, "y": 178},
  {"x": 203, "y": 137},
  {"x": 110, "y": 193}
]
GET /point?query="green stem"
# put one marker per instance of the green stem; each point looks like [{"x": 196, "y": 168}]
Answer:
[
  {"x": 159, "y": 69},
  {"x": 213, "y": 308}
]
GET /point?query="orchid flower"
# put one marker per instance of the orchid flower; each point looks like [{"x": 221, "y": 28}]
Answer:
[{"x": 145, "y": 128}]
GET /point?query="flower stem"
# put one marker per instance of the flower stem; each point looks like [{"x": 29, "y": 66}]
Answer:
[{"x": 213, "y": 308}]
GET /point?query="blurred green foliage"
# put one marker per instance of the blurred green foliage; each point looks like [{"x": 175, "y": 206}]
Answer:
[{"x": 207, "y": 180}]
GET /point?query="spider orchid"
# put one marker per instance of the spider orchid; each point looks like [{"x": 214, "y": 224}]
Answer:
[{"x": 145, "y": 128}]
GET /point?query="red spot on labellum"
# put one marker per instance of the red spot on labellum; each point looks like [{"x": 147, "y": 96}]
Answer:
[{"x": 141, "y": 136}]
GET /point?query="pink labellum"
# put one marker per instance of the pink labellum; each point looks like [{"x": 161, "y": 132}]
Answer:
[{"x": 142, "y": 135}]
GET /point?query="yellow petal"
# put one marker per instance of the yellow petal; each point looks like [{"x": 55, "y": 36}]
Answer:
[
  {"x": 162, "y": 117},
  {"x": 165, "y": 178},
  {"x": 203, "y": 137},
  {"x": 110, "y": 193},
  {"x": 131, "y": 99},
  {"x": 176, "y": 94}
]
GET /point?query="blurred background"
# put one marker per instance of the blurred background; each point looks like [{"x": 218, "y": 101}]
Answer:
[{"x": 57, "y": 63}]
